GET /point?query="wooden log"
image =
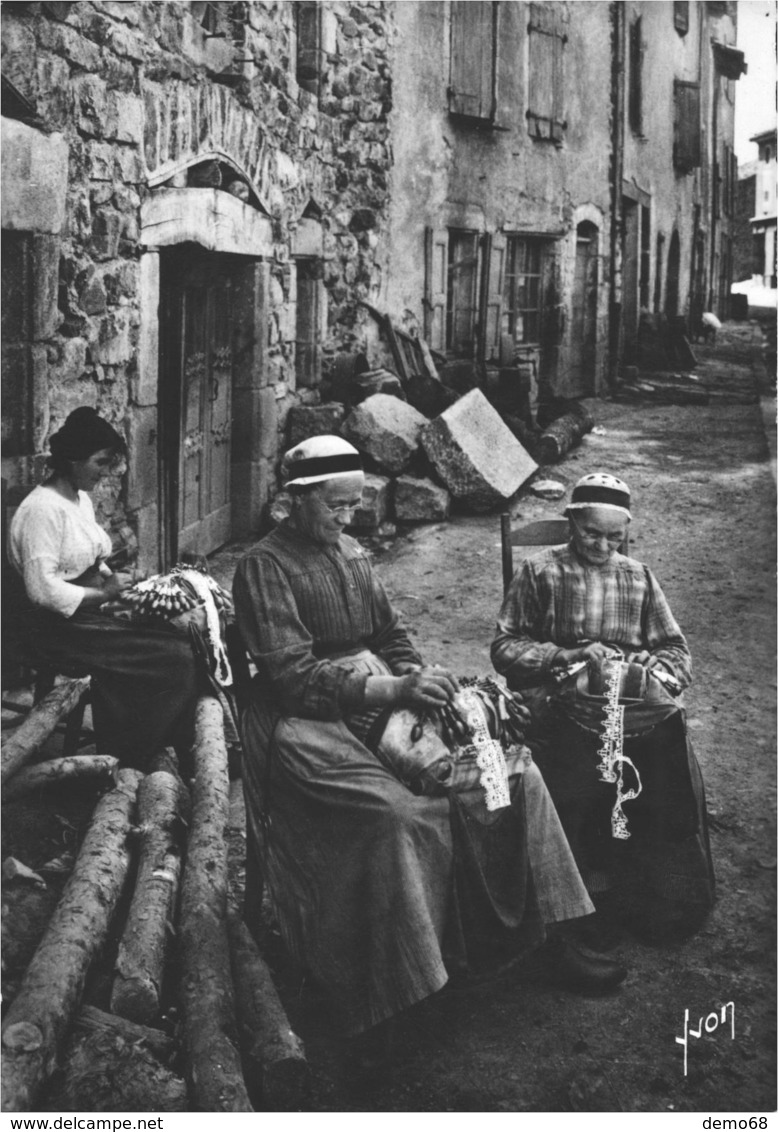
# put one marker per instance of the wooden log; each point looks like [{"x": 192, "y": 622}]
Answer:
[
  {"x": 55, "y": 771},
  {"x": 27, "y": 739},
  {"x": 110, "y": 1069},
  {"x": 38, "y": 1019},
  {"x": 140, "y": 962},
  {"x": 273, "y": 1051},
  {"x": 207, "y": 998},
  {"x": 563, "y": 434},
  {"x": 92, "y": 1020}
]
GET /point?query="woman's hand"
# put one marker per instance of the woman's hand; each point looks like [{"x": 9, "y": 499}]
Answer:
[
  {"x": 431, "y": 686},
  {"x": 645, "y": 658},
  {"x": 595, "y": 652},
  {"x": 115, "y": 585}
]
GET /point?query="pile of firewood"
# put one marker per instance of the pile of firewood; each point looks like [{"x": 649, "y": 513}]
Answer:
[{"x": 228, "y": 1052}]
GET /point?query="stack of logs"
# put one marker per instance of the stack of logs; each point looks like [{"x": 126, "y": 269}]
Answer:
[{"x": 238, "y": 1051}]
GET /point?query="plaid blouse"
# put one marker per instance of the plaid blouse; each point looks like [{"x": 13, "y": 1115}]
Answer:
[
  {"x": 557, "y": 601},
  {"x": 298, "y": 606}
]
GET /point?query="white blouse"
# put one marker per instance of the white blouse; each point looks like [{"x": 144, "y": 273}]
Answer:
[{"x": 52, "y": 540}]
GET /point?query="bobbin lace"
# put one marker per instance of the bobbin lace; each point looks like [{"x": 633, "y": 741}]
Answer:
[
  {"x": 489, "y": 755},
  {"x": 611, "y": 752}
]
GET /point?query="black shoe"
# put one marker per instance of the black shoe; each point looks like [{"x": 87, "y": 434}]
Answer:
[{"x": 575, "y": 970}]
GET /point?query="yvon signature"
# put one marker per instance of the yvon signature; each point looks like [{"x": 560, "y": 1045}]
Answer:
[{"x": 711, "y": 1024}]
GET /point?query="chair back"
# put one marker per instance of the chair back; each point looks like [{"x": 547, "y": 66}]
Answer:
[{"x": 541, "y": 532}]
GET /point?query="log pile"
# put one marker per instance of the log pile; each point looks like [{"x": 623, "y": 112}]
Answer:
[{"x": 172, "y": 1034}]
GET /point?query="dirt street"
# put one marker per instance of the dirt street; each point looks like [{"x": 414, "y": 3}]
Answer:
[{"x": 704, "y": 505}]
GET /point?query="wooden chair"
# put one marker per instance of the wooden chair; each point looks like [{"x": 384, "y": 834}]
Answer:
[{"x": 542, "y": 532}]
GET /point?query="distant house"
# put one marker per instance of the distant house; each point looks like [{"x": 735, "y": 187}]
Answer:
[
  {"x": 744, "y": 261},
  {"x": 764, "y": 215}
]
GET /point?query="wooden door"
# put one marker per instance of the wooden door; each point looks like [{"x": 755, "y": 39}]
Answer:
[
  {"x": 196, "y": 401},
  {"x": 583, "y": 329}
]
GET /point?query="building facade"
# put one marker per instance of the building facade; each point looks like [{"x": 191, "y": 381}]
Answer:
[
  {"x": 763, "y": 218},
  {"x": 204, "y": 202}
]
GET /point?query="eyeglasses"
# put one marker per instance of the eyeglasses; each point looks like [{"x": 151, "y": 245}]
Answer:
[{"x": 342, "y": 509}]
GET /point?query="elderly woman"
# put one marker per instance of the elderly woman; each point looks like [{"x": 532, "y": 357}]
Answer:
[
  {"x": 360, "y": 870},
  {"x": 570, "y": 612},
  {"x": 143, "y": 680}
]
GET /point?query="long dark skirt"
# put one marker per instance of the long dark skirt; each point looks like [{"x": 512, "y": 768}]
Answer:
[
  {"x": 361, "y": 872},
  {"x": 661, "y": 877},
  {"x": 144, "y": 681}
]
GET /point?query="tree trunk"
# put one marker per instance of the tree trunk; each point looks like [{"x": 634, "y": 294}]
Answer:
[
  {"x": 37, "y": 1020},
  {"x": 207, "y": 998},
  {"x": 27, "y": 739},
  {"x": 274, "y": 1052},
  {"x": 111, "y": 1069},
  {"x": 91, "y": 1020},
  {"x": 562, "y": 435},
  {"x": 55, "y": 771},
  {"x": 140, "y": 962}
]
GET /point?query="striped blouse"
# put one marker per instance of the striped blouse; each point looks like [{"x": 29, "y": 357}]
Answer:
[
  {"x": 298, "y": 605},
  {"x": 557, "y": 601}
]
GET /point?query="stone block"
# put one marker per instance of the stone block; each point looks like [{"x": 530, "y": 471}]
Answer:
[
  {"x": 100, "y": 161},
  {"x": 386, "y": 429},
  {"x": 475, "y": 454},
  {"x": 106, "y": 230},
  {"x": 145, "y": 392},
  {"x": 127, "y": 118},
  {"x": 314, "y": 420},
  {"x": 420, "y": 500},
  {"x": 147, "y": 523},
  {"x": 268, "y": 424},
  {"x": 34, "y": 178},
  {"x": 93, "y": 298},
  {"x": 114, "y": 344},
  {"x": 429, "y": 396},
  {"x": 142, "y": 481},
  {"x": 374, "y": 506},
  {"x": 45, "y": 251}
]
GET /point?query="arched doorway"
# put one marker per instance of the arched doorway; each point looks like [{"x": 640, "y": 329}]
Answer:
[
  {"x": 583, "y": 329},
  {"x": 673, "y": 276}
]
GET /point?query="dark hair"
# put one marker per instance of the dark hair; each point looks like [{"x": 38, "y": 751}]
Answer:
[{"x": 83, "y": 433}]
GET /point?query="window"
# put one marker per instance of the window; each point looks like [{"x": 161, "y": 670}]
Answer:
[
  {"x": 308, "y": 328},
  {"x": 635, "y": 101},
  {"x": 473, "y": 48},
  {"x": 681, "y": 16},
  {"x": 660, "y": 248},
  {"x": 309, "y": 45},
  {"x": 522, "y": 306},
  {"x": 686, "y": 143},
  {"x": 545, "y": 93},
  {"x": 462, "y": 292}
]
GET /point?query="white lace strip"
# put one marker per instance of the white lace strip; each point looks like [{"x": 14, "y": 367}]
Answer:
[
  {"x": 611, "y": 753},
  {"x": 489, "y": 754}
]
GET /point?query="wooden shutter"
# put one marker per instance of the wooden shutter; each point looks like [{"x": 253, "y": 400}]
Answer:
[
  {"x": 308, "y": 323},
  {"x": 686, "y": 148},
  {"x": 471, "y": 90},
  {"x": 495, "y": 247},
  {"x": 545, "y": 94},
  {"x": 681, "y": 16},
  {"x": 636, "y": 76},
  {"x": 436, "y": 284}
]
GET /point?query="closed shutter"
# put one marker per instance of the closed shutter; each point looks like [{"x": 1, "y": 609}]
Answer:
[
  {"x": 471, "y": 90},
  {"x": 545, "y": 94},
  {"x": 494, "y": 252},
  {"x": 686, "y": 148},
  {"x": 436, "y": 282}
]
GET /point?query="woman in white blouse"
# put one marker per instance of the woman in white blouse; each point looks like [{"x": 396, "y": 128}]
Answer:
[{"x": 144, "y": 682}]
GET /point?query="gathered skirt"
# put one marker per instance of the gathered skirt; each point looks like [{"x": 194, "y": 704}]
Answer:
[{"x": 144, "y": 681}]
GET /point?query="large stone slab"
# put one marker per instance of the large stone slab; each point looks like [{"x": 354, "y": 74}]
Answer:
[
  {"x": 305, "y": 421},
  {"x": 475, "y": 454},
  {"x": 374, "y": 506},
  {"x": 386, "y": 429},
  {"x": 420, "y": 500}
]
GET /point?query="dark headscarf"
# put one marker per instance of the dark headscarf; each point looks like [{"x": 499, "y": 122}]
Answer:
[{"x": 84, "y": 433}]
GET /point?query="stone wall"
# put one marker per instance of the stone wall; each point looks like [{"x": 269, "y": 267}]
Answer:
[{"x": 139, "y": 92}]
